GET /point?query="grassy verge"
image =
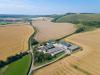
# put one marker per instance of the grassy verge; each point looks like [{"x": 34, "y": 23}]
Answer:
[
  {"x": 19, "y": 67},
  {"x": 47, "y": 61}
]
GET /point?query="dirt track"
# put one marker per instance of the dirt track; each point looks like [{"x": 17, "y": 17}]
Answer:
[
  {"x": 48, "y": 30},
  {"x": 86, "y": 62}
]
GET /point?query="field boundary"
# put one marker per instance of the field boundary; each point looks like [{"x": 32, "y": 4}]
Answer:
[{"x": 65, "y": 36}]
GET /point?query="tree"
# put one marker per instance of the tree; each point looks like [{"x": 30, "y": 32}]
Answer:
[
  {"x": 38, "y": 56},
  {"x": 48, "y": 56},
  {"x": 80, "y": 30},
  {"x": 33, "y": 42},
  {"x": 2, "y": 63}
]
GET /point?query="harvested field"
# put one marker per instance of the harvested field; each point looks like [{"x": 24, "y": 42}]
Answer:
[
  {"x": 48, "y": 30},
  {"x": 14, "y": 39},
  {"x": 85, "y": 62}
]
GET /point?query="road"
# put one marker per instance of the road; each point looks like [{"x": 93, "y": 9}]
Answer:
[
  {"x": 32, "y": 55},
  {"x": 31, "y": 68}
]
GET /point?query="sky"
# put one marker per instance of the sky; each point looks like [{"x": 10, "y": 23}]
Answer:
[{"x": 45, "y": 7}]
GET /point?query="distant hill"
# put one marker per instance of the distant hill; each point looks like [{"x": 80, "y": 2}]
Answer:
[
  {"x": 78, "y": 18},
  {"x": 13, "y": 16},
  {"x": 24, "y": 16}
]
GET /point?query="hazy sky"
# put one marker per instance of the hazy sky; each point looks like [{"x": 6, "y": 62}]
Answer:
[{"x": 33, "y": 7}]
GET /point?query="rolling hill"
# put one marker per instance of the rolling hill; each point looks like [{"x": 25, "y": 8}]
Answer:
[{"x": 78, "y": 17}]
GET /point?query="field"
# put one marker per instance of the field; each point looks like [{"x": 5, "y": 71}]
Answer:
[
  {"x": 19, "y": 67},
  {"x": 48, "y": 30},
  {"x": 85, "y": 62},
  {"x": 14, "y": 39}
]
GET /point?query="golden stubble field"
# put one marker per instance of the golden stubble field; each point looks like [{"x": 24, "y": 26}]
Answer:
[
  {"x": 14, "y": 39},
  {"x": 86, "y": 62},
  {"x": 48, "y": 30}
]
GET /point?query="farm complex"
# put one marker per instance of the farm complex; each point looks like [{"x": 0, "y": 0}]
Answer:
[
  {"x": 14, "y": 39},
  {"x": 54, "y": 48}
]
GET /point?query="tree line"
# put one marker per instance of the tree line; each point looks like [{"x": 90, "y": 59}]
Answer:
[{"x": 11, "y": 59}]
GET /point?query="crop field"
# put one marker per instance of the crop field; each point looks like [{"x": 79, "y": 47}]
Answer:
[
  {"x": 48, "y": 30},
  {"x": 85, "y": 62},
  {"x": 14, "y": 39}
]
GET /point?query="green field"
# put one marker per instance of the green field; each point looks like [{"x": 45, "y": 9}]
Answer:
[
  {"x": 78, "y": 17},
  {"x": 5, "y": 23},
  {"x": 19, "y": 67}
]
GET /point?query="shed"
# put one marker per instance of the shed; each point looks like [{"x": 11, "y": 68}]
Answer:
[
  {"x": 66, "y": 44},
  {"x": 73, "y": 47}
]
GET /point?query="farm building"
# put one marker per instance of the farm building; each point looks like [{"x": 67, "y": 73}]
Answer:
[
  {"x": 66, "y": 44},
  {"x": 73, "y": 48}
]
